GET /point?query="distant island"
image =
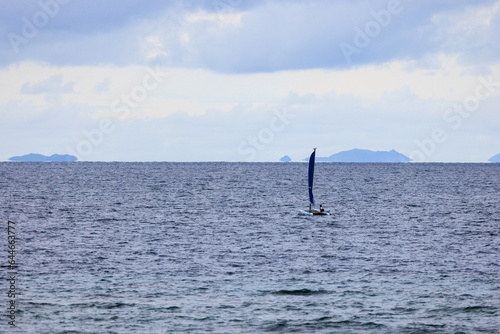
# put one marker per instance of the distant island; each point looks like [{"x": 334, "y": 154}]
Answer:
[
  {"x": 285, "y": 158},
  {"x": 495, "y": 158},
  {"x": 358, "y": 155},
  {"x": 34, "y": 157}
]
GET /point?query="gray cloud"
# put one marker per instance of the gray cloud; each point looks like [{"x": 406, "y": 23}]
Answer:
[
  {"x": 273, "y": 35},
  {"x": 302, "y": 35}
]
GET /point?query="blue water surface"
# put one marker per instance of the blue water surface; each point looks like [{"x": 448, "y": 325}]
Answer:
[{"x": 219, "y": 247}]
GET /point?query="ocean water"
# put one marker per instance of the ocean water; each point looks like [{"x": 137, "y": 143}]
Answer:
[{"x": 219, "y": 247}]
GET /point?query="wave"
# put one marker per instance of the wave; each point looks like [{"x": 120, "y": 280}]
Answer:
[{"x": 299, "y": 292}]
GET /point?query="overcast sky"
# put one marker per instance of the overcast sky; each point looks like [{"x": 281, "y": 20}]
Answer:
[{"x": 236, "y": 80}]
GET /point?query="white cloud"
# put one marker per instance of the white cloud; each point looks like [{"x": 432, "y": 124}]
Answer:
[
  {"x": 52, "y": 85},
  {"x": 222, "y": 18}
]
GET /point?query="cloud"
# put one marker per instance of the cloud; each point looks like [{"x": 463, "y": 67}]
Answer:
[
  {"x": 62, "y": 32},
  {"x": 253, "y": 36},
  {"x": 51, "y": 89},
  {"x": 469, "y": 33},
  {"x": 103, "y": 87},
  {"x": 338, "y": 122},
  {"x": 300, "y": 35},
  {"x": 333, "y": 121},
  {"x": 53, "y": 85}
]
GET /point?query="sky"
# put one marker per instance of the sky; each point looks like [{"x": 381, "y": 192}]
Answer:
[{"x": 249, "y": 80}]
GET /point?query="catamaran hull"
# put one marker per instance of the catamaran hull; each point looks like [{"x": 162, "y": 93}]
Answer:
[{"x": 313, "y": 213}]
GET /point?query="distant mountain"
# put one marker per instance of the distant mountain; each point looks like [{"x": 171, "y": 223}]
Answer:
[
  {"x": 357, "y": 155},
  {"x": 39, "y": 157},
  {"x": 495, "y": 158},
  {"x": 286, "y": 158}
]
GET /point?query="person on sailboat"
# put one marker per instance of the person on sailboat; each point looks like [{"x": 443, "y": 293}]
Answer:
[{"x": 321, "y": 208}]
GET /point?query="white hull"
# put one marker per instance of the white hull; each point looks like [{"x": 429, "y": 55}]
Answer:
[{"x": 313, "y": 213}]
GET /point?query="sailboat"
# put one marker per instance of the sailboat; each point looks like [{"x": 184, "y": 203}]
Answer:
[{"x": 312, "y": 212}]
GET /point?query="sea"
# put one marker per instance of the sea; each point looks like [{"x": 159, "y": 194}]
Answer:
[{"x": 220, "y": 248}]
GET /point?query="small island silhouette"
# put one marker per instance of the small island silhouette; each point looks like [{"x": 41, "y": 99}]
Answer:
[
  {"x": 359, "y": 155},
  {"x": 35, "y": 157},
  {"x": 495, "y": 158}
]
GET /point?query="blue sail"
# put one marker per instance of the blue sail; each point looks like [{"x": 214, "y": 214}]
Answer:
[{"x": 311, "y": 176}]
